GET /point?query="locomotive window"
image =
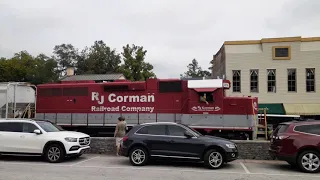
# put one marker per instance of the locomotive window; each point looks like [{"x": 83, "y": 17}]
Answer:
[
  {"x": 206, "y": 97},
  {"x": 48, "y": 92},
  {"x": 78, "y": 91},
  {"x": 116, "y": 88},
  {"x": 172, "y": 86}
]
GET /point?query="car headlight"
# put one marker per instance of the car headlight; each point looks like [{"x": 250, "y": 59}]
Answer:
[
  {"x": 231, "y": 146},
  {"x": 71, "y": 139}
]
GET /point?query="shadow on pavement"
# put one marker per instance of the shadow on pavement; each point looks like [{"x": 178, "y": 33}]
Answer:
[
  {"x": 34, "y": 159},
  {"x": 167, "y": 163}
]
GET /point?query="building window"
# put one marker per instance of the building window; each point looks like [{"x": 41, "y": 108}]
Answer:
[
  {"x": 271, "y": 73},
  {"x": 292, "y": 78},
  {"x": 254, "y": 80},
  {"x": 310, "y": 79},
  {"x": 281, "y": 52},
  {"x": 236, "y": 80}
]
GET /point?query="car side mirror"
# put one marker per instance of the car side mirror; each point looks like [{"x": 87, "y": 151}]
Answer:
[
  {"x": 37, "y": 131},
  {"x": 188, "y": 134}
]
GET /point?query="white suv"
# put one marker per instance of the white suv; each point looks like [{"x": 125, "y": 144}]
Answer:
[{"x": 40, "y": 137}]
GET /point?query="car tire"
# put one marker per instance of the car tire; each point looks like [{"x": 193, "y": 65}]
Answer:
[
  {"x": 54, "y": 153},
  {"x": 138, "y": 156},
  {"x": 304, "y": 157},
  {"x": 214, "y": 159}
]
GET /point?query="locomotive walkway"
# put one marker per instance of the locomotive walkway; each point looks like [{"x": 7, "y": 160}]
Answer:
[{"x": 95, "y": 167}]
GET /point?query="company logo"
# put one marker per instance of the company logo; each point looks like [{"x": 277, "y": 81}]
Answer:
[
  {"x": 255, "y": 106},
  {"x": 126, "y": 99},
  {"x": 202, "y": 108}
]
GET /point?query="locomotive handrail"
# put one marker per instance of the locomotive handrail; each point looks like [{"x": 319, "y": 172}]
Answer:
[{"x": 185, "y": 102}]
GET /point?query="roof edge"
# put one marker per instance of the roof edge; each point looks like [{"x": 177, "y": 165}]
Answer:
[{"x": 273, "y": 40}]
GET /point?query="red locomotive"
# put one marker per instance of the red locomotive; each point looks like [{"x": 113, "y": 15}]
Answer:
[{"x": 201, "y": 104}]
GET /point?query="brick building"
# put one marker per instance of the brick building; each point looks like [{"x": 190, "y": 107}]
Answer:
[{"x": 283, "y": 73}]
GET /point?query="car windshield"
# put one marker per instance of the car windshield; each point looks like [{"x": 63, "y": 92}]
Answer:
[
  {"x": 280, "y": 129},
  {"x": 193, "y": 130},
  {"x": 48, "y": 126}
]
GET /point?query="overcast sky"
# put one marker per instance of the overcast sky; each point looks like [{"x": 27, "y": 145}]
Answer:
[{"x": 172, "y": 31}]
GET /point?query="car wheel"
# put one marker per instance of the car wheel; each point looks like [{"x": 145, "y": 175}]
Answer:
[
  {"x": 54, "y": 153},
  {"x": 138, "y": 156},
  {"x": 309, "y": 161},
  {"x": 213, "y": 159}
]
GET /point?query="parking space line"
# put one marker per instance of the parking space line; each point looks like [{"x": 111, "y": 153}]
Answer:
[
  {"x": 77, "y": 163},
  {"x": 245, "y": 168}
]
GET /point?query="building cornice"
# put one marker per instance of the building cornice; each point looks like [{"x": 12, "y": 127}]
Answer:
[{"x": 273, "y": 40}]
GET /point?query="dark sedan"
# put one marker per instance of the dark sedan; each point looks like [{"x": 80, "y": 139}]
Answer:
[{"x": 176, "y": 141}]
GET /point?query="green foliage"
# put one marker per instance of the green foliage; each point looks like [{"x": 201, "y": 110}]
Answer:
[
  {"x": 23, "y": 67},
  {"x": 134, "y": 67},
  {"x": 194, "y": 70},
  {"x": 97, "y": 59},
  {"x": 66, "y": 55}
]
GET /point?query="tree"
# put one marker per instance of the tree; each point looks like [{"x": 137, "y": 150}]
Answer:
[
  {"x": 23, "y": 67},
  {"x": 194, "y": 70},
  {"x": 134, "y": 67},
  {"x": 46, "y": 70},
  {"x": 66, "y": 55},
  {"x": 99, "y": 59}
]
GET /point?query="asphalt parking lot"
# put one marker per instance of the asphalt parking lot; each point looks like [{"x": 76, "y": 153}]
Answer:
[{"x": 111, "y": 167}]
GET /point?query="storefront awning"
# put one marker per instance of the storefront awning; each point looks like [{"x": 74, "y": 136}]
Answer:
[
  {"x": 302, "y": 109},
  {"x": 205, "y": 89},
  {"x": 272, "y": 108}
]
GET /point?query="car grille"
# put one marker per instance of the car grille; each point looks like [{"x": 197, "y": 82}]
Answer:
[{"x": 84, "y": 141}]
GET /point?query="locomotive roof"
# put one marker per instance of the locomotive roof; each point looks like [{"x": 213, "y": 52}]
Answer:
[
  {"x": 93, "y": 77},
  {"x": 205, "y": 83}
]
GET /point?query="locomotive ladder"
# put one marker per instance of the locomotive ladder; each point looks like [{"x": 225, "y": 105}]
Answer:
[{"x": 262, "y": 127}]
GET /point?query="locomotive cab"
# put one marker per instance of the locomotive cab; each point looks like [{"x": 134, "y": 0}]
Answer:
[{"x": 207, "y": 94}]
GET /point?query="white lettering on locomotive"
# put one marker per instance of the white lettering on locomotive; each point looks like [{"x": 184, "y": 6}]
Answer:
[
  {"x": 95, "y": 97},
  {"x": 131, "y": 98},
  {"x": 122, "y": 99},
  {"x": 123, "y": 108}
]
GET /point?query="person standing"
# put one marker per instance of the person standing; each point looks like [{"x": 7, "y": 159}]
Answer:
[{"x": 120, "y": 132}]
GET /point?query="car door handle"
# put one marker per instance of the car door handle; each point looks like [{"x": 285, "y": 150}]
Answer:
[
  {"x": 22, "y": 136},
  {"x": 171, "y": 141}
]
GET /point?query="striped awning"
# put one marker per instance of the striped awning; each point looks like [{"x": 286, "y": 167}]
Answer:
[{"x": 302, "y": 109}]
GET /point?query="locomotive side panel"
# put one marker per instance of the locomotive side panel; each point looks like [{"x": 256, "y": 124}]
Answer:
[
  {"x": 100, "y": 105},
  {"x": 204, "y": 120}
]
